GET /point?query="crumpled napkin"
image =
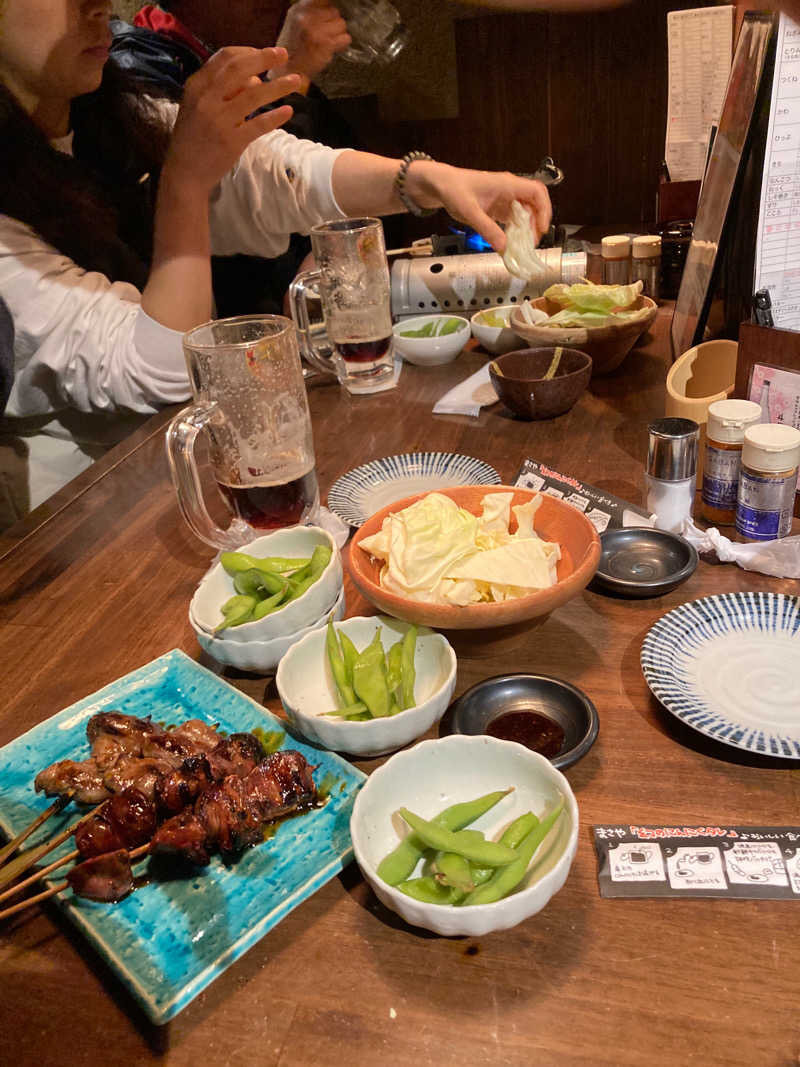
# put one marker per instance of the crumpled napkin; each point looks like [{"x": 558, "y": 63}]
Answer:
[
  {"x": 469, "y": 397},
  {"x": 332, "y": 524},
  {"x": 779, "y": 558}
]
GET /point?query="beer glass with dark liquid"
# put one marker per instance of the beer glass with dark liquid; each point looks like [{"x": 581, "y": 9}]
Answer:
[
  {"x": 352, "y": 282},
  {"x": 250, "y": 402}
]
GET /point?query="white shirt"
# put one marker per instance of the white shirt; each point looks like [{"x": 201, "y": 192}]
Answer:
[{"x": 83, "y": 342}]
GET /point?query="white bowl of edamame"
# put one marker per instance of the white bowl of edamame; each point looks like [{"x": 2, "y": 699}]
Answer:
[
  {"x": 281, "y": 548},
  {"x": 308, "y": 689},
  {"x": 512, "y": 796}
]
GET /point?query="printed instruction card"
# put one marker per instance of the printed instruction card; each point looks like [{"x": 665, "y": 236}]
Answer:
[{"x": 699, "y": 861}]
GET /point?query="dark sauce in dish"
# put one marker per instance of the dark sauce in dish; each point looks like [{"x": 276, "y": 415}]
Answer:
[{"x": 528, "y": 728}]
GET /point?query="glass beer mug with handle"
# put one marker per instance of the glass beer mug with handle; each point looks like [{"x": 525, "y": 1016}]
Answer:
[
  {"x": 250, "y": 401},
  {"x": 352, "y": 281}
]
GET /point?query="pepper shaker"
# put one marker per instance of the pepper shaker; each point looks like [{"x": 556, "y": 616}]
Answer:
[{"x": 671, "y": 471}]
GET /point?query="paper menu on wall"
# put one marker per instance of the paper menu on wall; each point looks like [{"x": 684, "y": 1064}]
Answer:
[
  {"x": 700, "y": 43},
  {"x": 777, "y": 265}
]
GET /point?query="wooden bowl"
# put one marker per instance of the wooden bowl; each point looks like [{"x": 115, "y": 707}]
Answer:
[
  {"x": 555, "y": 521},
  {"x": 522, "y": 387},
  {"x": 607, "y": 345}
]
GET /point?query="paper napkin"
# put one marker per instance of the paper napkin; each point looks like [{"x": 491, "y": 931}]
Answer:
[{"x": 469, "y": 397}]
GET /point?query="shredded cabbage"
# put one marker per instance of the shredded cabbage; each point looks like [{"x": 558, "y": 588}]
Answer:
[
  {"x": 586, "y": 304},
  {"x": 520, "y": 256},
  {"x": 438, "y": 552}
]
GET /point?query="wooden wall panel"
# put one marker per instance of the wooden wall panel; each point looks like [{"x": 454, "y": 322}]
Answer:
[{"x": 590, "y": 90}]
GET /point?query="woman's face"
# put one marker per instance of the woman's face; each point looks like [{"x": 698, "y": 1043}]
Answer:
[{"x": 52, "y": 50}]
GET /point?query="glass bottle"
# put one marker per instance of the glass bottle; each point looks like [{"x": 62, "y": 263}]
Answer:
[
  {"x": 727, "y": 422},
  {"x": 767, "y": 481},
  {"x": 646, "y": 264},
  {"x": 616, "y": 253}
]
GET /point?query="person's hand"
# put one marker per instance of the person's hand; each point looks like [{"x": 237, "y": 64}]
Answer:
[
  {"x": 478, "y": 197},
  {"x": 212, "y": 129},
  {"x": 312, "y": 34}
]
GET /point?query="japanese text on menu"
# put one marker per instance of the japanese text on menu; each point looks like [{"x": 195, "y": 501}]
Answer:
[{"x": 778, "y": 244}]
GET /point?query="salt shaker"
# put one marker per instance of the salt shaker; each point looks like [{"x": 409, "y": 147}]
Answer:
[{"x": 671, "y": 471}]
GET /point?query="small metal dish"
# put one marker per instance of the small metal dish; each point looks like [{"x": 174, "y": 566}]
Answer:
[
  {"x": 563, "y": 704},
  {"x": 643, "y": 562}
]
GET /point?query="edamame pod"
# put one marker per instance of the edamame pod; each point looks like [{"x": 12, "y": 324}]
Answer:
[
  {"x": 369, "y": 678},
  {"x": 236, "y": 610},
  {"x": 506, "y": 879},
  {"x": 430, "y": 891},
  {"x": 234, "y": 562},
  {"x": 407, "y": 670},
  {"x": 486, "y": 853},
  {"x": 344, "y": 690},
  {"x": 453, "y": 870},
  {"x": 272, "y": 603},
  {"x": 401, "y": 861}
]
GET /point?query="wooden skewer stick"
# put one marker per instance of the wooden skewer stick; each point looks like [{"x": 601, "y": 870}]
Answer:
[
  {"x": 14, "y": 868},
  {"x": 12, "y": 846},
  {"x": 70, "y": 856},
  {"x": 6, "y": 913}
]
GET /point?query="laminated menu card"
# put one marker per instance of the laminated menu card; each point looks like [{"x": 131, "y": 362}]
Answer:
[{"x": 699, "y": 861}]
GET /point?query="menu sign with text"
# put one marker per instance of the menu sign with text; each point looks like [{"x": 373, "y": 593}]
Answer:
[{"x": 699, "y": 861}]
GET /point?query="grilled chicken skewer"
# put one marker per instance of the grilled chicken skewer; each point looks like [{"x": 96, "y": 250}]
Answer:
[
  {"x": 129, "y": 818},
  {"x": 228, "y": 816}
]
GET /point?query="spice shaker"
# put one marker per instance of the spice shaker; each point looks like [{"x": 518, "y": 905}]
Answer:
[
  {"x": 727, "y": 422},
  {"x": 616, "y": 253},
  {"x": 671, "y": 471},
  {"x": 646, "y": 264},
  {"x": 767, "y": 481}
]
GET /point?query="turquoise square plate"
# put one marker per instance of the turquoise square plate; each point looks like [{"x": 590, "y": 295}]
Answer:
[{"x": 168, "y": 940}]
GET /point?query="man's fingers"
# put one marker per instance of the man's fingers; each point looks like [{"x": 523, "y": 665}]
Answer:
[{"x": 264, "y": 123}]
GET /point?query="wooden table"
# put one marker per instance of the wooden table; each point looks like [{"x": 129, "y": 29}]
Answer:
[{"x": 97, "y": 582}]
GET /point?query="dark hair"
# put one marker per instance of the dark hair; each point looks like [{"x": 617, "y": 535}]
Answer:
[{"x": 97, "y": 205}]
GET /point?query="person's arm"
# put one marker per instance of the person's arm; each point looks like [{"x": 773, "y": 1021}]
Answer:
[
  {"x": 81, "y": 340},
  {"x": 211, "y": 132},
  {"x": 364, "y": 184},
  {"x": 312, "y": 34}
]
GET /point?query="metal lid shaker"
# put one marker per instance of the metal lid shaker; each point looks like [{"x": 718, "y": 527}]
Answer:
[{"x": 671, "y": 471}]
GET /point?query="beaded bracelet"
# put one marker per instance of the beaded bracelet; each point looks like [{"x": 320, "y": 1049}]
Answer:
[{"x": 400, "y": 184}]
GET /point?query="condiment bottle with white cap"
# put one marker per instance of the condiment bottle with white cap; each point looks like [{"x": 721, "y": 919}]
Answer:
[
  {"x": 646, "y": 264},
  {"x": 767, "y": 481},
  {"x": 727, "y": 422},
  {"x": 672, "y": 471},
  {"x": 616, "y": 253}
]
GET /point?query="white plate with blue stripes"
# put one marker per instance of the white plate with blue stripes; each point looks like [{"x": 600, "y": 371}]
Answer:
[
  {"x": 729, "y": 666},
  {"x": 365, "y": 490}
]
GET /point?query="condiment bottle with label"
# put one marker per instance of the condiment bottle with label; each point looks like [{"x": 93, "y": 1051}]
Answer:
[
  {"x": 672, "y": 471},
  {"x": 767, "y": 481},
  {"x": 727, "y": 422},
  {"x": 646, "y": 264},
  {"x": 616, "y": 253}
]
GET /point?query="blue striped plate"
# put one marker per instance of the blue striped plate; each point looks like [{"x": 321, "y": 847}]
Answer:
[
  {"x": 365, "y": 490},
  {"x": 170, "y": 939},
  {"x": 729, "y": 666}
]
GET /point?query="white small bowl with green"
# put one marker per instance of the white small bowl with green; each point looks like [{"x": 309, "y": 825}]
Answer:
[
  {"x": 312, "y": 700},
  {"x": 434, "y": 779},
  {"x": 492, "y": 331},
  {"x": 429, "y": 340}
]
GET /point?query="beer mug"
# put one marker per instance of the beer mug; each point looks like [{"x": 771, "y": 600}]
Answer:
[
  {"x": 250, "y": 401},
  {"x": 352, "y": 281},
  {"x": 376, "y": 29}
]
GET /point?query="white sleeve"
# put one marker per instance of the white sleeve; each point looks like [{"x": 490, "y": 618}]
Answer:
[
  {"x": 281, "y": 185},
  {"x": 81, "y": 341}
]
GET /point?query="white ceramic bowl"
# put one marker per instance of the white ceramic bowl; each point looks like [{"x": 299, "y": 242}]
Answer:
[
  {"x": 261, "y": 656},
  {"x": 495, "y": 339},
  {"x": 293, "y": 542},
  {"x": 435, "y": 774},
  {"x": 306, "y": 688},
  {"x": 430, "y": 351}
]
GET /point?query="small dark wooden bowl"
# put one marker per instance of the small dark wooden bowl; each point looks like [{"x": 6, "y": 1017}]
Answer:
[{"x": 522, "y": 387}]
